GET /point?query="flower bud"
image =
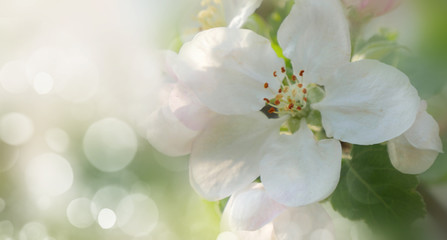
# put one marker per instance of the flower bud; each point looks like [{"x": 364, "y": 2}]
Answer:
[{"x": 372, "y": 8}]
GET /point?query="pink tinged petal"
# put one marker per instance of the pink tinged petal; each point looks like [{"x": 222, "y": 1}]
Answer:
[
  {"x": 225, "y": 156},
  {"x": 368, "y": 102},
  {"x": 408, "y": 159},
  {"x": 368, "y": 8},
  {"x": 416, "y": 150},
  {"x": 297, "y": 170},
  {"x": 251, "y": 209},
  {"x": 167, "y": 134},
  {"x": 424, "y": 134},
  {"x": 315, "y": 37},
  {"x": 188, "y": 109},
  {"x": 227, "y": 69},
  {"x": 238, "y": 11},
  {"x": 310, "y": 222}
]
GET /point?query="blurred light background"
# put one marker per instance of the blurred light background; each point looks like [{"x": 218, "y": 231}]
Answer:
[{"x": 75, "y": 90}]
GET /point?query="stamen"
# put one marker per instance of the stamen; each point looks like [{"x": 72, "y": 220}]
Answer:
[
  {"x": 294, "y": 92},
  {"x": 280, "y": 90},
  {"x": 304, "y": 90},
  {"x": 298, "y": 108},
  {"x": 275, "y": 74},
  {"x": 266, "y": 100},
  {"x": 283, "y": 69},
  {"x": 300, "y": 85},
  {"x": 266, "y": 85},
  {"x": 277, "y": 102},
  {"x": 271, "y": 110},
  {"x": 290, "y": 106},
  {"x": 301, "y": 73},
  {"x": 293, "y": 78}
]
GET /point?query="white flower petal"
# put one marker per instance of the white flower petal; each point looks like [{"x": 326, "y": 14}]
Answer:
[
  {"x": 309, "y": 222},
  {"x": 315, "y": 37},
  {"x": 264, "y": 233},
  {"x": 250, "y": 209},
  {"x": 368, "y": 102},
  {"x": 297, "y": 170},
  {"x": 237, "y": 11},
  {"x": 408, "y": 159},
  {"x": 227, "y": 69},
  {"x": 188, "y": 109},
  {"x": 225, "y": 156},
  {"x": 167, "y": 134},
  {"x": 424, "y": 134}
]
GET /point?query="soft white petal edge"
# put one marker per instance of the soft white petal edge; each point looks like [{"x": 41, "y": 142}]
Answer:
[
  {"x": 250, "y": 209},
  {"x": 368, "y": 102},
  {"x": 408, "y": 159},
  {"x": 188, "y": 108},
  {"x": 424, "y": 134},
  {"x": 167, "y": 134},
  {"x": 307, "y": 222},
  {"x": 225, "y": 156},
  {"x": 238, "y": 11},
  {"x": 264, "y": 233},
  {"x": 297, "y": 170},
  {"x": 227, "y": 69},
  {"x": 315, "y": 37}
]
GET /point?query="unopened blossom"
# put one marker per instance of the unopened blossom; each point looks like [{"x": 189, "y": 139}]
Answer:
[
  {"x": 252, "y": 214},
  {"x": 372, "y": 8},
  {"x": 235, "y": 73},
  {"x": 416, "y": 150}
]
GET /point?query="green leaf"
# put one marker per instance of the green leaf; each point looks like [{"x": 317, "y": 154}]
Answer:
[{"x": 370, "y": 189}]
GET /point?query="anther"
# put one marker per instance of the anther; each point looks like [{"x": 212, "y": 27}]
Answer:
[
  {"x": 271, "y": 110},
  {"x": 266, "y": 85},
  {"x": 298, "y": 108},
  {"x": 280, "y": 90},
  {"x": 304, "y": 90},
  {"x": 277, "y": 102},
  {"x": 301, "y": 73},
  {"x": 266, "y": 100},
  {"x": 283, "y": 70},
  {"x": 305, "y": 99},
  {"x": 293, "y": 78},
  {"x": 274, "y": 74},
  {"x": 290, "y": 106},
  {"x": 300, "y": 85}
]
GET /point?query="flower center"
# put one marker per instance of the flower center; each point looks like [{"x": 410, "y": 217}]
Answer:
[
  {"x": 212, "y": 15},
  {"x": 291, "y": 97}
]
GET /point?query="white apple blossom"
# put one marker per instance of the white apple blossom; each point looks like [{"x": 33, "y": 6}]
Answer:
[
  {"x": 252, "y": 214},
  {"x": 236, "y": 73},
  {"x": 180, "y": 116},
  {"x": 415, "y": 151}
]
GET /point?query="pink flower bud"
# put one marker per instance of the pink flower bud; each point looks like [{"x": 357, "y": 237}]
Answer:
[{"x": 374, "y": 8}]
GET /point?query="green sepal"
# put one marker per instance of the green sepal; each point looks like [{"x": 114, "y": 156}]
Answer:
[{"x": 293, "y": 124}]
